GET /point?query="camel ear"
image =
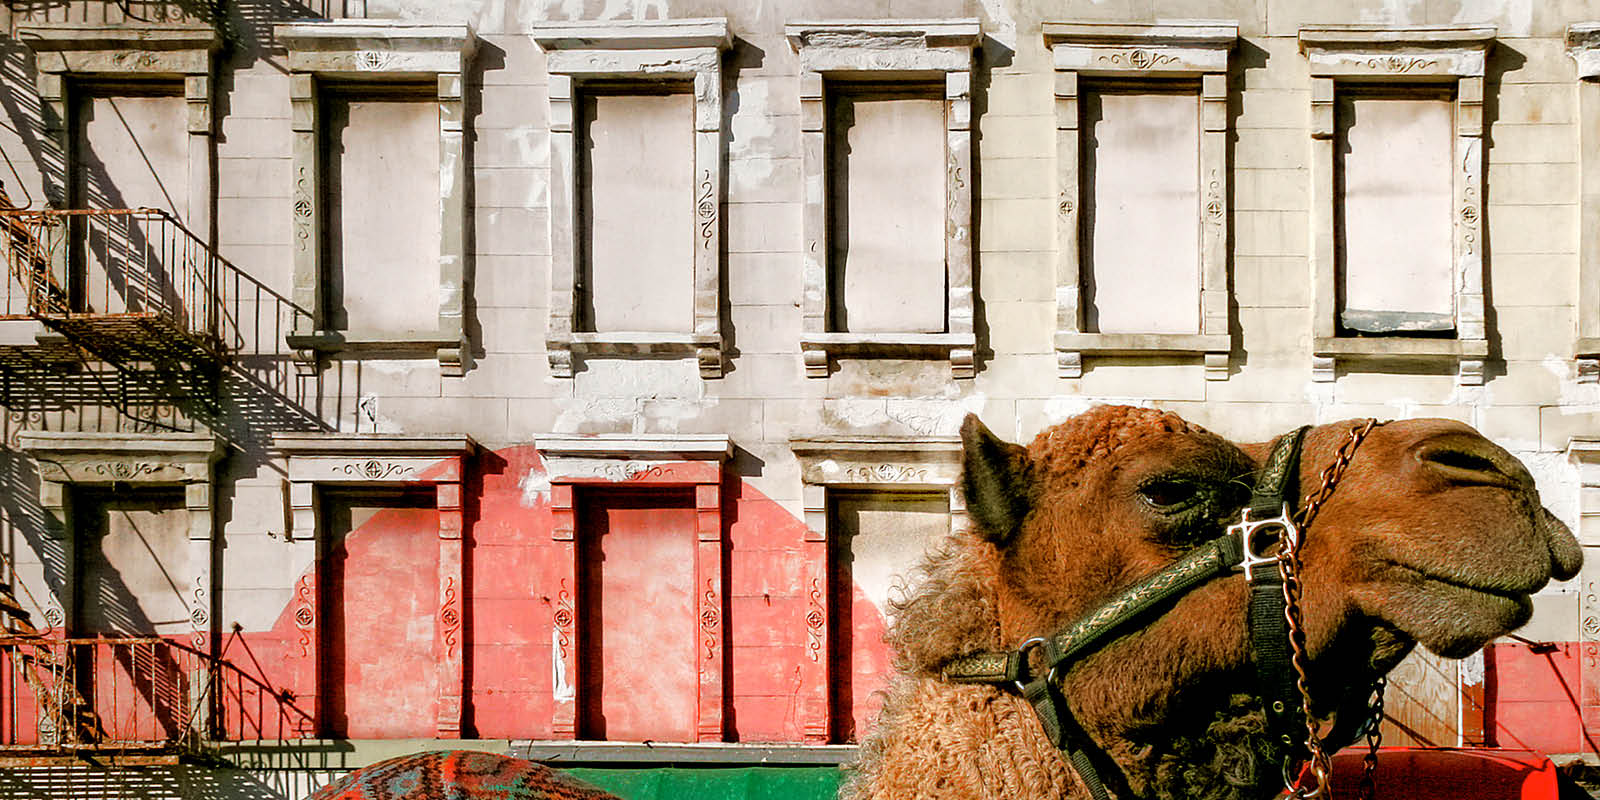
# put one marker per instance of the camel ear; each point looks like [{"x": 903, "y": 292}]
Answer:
[{"x": 992, "y": 479}]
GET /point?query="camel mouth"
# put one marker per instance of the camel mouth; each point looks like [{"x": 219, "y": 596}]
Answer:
[
  {"x": 1446, "y": 614},
  {"x": 1496, "y": 586}
]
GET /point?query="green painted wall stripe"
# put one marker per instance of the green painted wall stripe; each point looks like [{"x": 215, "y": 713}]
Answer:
[{"x": 716, "y": 783}]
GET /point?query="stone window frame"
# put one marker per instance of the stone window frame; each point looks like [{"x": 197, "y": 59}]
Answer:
[
  {"x": 615, "y": 461},
  {"x": 1583, "y": 452},
  {"x": 1379, "y": 55},
  {"x": 65, "y": 53},
  {"x": 68, "y": 459},
  {"x": 345, "y": 51},
  {"x": 1583, "y": 45},
  {"x": 879, "y": 463},
  {"x": 1172, "y": 51},
  {"x": 887, "y": 49},
  {"x": 634, "y": 50},
  {"x": 354, "y": 460}
]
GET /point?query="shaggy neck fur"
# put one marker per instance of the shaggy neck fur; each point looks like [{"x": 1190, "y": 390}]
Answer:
[{"x": 936, "y": 740}]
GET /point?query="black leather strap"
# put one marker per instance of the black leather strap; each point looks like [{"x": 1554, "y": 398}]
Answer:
[{"x": 1276, "y": 491}]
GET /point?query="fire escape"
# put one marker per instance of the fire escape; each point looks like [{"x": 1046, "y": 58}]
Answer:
[{"x": 128, "y": 309}]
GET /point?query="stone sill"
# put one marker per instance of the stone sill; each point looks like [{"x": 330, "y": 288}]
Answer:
[
  {"x": 1144, "y": 343},
  {"x": 1399, "y": 347},
  {"x": 933, "y": 32},
  {"x": 351, "y": 35},
  {"x": 615, "y": 343},
  {"x": 633, "y": 34},
  {"x": 1586, "y": 347},
  {"x": 338, "y": 341},
  {"x": 817, "y": 348},
  {"x": 1071, "y": 347},
  {"x": 948, "y": 447},
  {"x": 562, "y": 753},
  {"x": 174, "y": 445}
]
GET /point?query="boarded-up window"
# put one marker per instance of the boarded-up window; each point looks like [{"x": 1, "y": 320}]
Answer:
[
  {"x": 132, "y": 151},
  {"x": 876, "y": 540},
  {"x": 638, "y": 200},
  {"x": 637, "y": 627},
  {"x": 1394, "y": 196},
  {"x": 886, "y": 209},
  {"x": 133, "y": 559},
  {"x": 382, "y": 201},
  {"x": 1141, "y": 215},
  {"x": 133, "y": 580},
  {"x": 380, "y": 588}
]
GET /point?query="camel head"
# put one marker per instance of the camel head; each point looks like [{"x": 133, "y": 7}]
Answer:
[{"x": 1433, "y": 535}]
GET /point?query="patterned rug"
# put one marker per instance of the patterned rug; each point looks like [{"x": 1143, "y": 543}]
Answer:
[{"x": 458, "y": 775}]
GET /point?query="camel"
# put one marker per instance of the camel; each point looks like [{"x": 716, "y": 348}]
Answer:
[
  {"x": 458, "y": 775},
  {"x": 1433, "y": 536}
]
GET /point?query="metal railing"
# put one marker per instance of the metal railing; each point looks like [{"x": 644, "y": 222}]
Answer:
[
  {"x": 81, "y": 265},
  {"x": 133, "y": 694}
]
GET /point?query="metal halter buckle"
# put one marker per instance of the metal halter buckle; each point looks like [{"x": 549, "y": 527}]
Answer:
[
  {"x": 1247, "y": 528},
  {"x": 1023, "y": 673}
]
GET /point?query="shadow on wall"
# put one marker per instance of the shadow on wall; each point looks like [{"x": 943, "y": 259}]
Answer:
[{"x": 181, "y": 782}]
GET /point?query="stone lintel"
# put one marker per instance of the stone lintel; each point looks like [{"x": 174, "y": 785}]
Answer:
[
  {"x": 875, "y": 460},
  {"x": 1355, "y": 37},
  {"x": 634, "y": 34}
]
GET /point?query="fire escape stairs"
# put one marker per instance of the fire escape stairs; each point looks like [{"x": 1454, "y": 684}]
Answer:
[{"x": 65, "y": 713}]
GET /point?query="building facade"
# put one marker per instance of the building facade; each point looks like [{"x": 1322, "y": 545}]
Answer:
[{"x": 397, "y": 374}]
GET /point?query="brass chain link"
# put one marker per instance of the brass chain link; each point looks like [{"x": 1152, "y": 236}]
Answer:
[
  {"x": 1289, "y": 564},
  {"x": 1369, "y": 763}
]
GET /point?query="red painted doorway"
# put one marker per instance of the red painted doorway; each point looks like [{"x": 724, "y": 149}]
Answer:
[{"x": 637, "y": 626}]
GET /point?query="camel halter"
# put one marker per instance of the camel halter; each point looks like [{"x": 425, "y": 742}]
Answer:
[{"x": 1267, "y": 534}]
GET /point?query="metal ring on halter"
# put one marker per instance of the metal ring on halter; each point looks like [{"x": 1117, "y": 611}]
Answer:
[
  {"x": 1022, "y": 660},
  {"x": 1292, "y": 787}
]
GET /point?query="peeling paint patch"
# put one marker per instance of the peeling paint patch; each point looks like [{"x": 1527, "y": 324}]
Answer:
[
  {"x": 1558, "y": 483},
  {"x": 1002, "y": 26},
  {"x": 1512, "y": 18},
  {"x": 752, "y": 127},
  {"x": 535, "y": 488},
  {"x": 558, "y": 670},
  {"x": 1471, "y": 669}
]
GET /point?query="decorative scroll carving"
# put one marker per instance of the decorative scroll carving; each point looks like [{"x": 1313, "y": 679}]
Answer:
[
  {"x": 305, "y": 615},
  {"x": 1137, "y": 59},
  {"x": 816, "y": 619},
  {"x": 303, "y": 206},
  {"x": 374, "y": 470},
  {"x": 125, "y": 470},
  {"x": 54, "y": 616},
  {"x": 199, "y": 616},
  {"x": 449, "y": 617},
  {"x": 1401, "y": 63},
  {"x": 887, "y": 473},
  {"x": 633, "y": 470},
  {"x": 710, "y": 620},
  {"x": 1469, "y": 199},
  {"x": 563, "y": 619},
  {"x": 706, "y": 208},
  {"x": 1214, "y": 206}
]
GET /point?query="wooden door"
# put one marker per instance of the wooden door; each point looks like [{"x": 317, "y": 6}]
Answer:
[
  {"x": 637, "y": 627},
  {"x": 1423, "y": 702}
]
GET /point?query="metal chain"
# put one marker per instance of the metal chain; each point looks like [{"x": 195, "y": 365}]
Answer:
[
  {"x": 1369, "y": 763},
  {"x": 1289, "y": 564}
]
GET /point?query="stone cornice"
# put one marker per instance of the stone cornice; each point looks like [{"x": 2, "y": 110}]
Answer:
[{"x": 634, "y": 34}]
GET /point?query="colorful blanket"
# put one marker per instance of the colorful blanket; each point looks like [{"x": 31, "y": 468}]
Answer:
[{"x": 458, "y": 775}]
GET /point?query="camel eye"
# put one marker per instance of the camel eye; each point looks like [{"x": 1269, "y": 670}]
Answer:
[{"x": 1168, "y": 494}]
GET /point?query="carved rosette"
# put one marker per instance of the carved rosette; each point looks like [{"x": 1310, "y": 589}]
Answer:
[
  {"x": 199, "y": 617},
  {"x": 1401, "y": 64},
  {"x": 1470, "y": 214},
  {"x": 303, "y": 208},
  {"x": 375, "y": 470},
  {"x": 1137, "y": 59}
]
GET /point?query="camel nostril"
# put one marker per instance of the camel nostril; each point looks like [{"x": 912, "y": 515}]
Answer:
[{"x": 1461, "y": 462}]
